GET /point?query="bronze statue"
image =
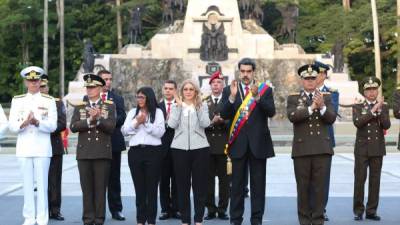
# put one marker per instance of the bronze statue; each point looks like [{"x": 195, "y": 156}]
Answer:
[
  {"x": 257, "y": 13},
  {"x": 337, "y": 51},
  {"x": 179, "y": 4},
  {"x": 290, "y": 15},
  {"x": 245, "y": 6},
  {"x": 213, "y": 43},
  {"x": 88, "y": 57},
  {"x": 168, "y": 13},
  {"x": 135, "y": 25}
]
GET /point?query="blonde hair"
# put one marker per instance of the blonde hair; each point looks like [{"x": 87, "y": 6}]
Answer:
[{"x": 197, "y": 96}]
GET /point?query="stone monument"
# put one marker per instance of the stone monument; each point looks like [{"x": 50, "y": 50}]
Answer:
[{"x": 186, "y": 49}]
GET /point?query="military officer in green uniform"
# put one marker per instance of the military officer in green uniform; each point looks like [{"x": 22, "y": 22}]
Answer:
[
  {"x": 217, "y": 135},
  {"x": 371, "y": 118},
  {"x": 95, "y": 121},
  {"x": 311, "y": 113}
]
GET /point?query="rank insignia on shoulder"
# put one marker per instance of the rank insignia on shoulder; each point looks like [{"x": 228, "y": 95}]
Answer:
[
  {"x": 108, "y": 102},
  {"x": 20, "y": 96}
]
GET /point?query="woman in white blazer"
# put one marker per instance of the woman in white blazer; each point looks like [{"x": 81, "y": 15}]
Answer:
[{"x": 190, "y": 150}]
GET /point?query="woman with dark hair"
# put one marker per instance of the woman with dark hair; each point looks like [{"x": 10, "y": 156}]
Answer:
[
  {"x": 145, "y": 124},
  {"x": 190, "y": 150}
]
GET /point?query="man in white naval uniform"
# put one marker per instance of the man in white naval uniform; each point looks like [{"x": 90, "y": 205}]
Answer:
[{"x": 33, "y": 116}]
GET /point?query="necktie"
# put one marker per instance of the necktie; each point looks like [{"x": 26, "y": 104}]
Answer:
[
  {"x": 246, "y": 89},
  {"x": 103, "y": 97},
  {"x": 168, "y": 107},
  {"x": 310, "y": 96},
  {"x": 371, "y": 105},
  {"x": 93, "y": 104},
  {"x": 215, "y": 101}
]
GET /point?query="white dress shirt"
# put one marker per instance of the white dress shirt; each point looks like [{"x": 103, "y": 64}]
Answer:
[
  {"x": 214, "y": 97},
  {"x": 147, "y": 133},
  {"x": 33, "y": 141},
  {"x": 3, "y": 122}
]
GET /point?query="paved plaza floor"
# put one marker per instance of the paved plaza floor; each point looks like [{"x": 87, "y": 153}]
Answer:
[{"x": 280, "y": 192}]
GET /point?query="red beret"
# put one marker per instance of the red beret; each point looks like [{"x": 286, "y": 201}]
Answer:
[{"x": 216, "y": 75}]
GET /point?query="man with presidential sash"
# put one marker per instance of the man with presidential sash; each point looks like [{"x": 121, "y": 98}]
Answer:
[
  {"x": 311, "y": 112},
  {"x": 248, "y": 105}
]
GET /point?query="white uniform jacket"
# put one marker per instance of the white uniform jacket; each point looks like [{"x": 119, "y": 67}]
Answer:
[{"x": 33, "y": 141}]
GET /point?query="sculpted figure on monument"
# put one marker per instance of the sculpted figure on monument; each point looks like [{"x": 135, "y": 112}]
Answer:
[
  {"x": 338, "y": 62},
  {"x": 135, "y": 25},
  {"x": 257, "y": 14},
  {"x": 290, "y": 14},
  {"x": 168, "y": 13},
  {"x": 245, "y": 6},
  {"x": 88, "y": 57},
  {"x": 179, "y": 4},
  {"x": 213, "y": 43}
]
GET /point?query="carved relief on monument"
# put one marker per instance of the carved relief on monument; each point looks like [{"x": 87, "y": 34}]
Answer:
[{"x": 213, "y": 40}]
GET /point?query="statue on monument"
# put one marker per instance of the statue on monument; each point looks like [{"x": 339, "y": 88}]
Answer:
[
  {"x": 88, "y": 57},
  {"x": 135, "y": 25},
  {"x": 167, "y": 12},
  {"x": 213, "y": 43},
  {"x": 245, "y": 6},
  {"x": 290, "y": 15},
  {"x": 337, "y": 51},
  {"x": 179, "y": 4},
  {"x": 257, "y": 13}
]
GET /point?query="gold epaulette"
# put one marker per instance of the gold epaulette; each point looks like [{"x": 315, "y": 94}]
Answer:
[
  {"x": 47, "y": 96},
  {"x": 206, "y": 97},
  {"x": 80, "y": 103},
  {"x": 20, "y": 96},
  {"x": 109, "y": 102},
  {"x": 332, "y": 89},
  {"x": 57, "y": 99},
  {"x": 294, "y": 93}
]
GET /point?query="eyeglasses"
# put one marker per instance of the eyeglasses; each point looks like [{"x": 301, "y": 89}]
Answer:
[{"x": 141, "y": 97}]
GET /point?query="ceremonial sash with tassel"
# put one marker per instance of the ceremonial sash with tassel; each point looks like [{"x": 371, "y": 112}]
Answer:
[{"x": 240, "y": 119}]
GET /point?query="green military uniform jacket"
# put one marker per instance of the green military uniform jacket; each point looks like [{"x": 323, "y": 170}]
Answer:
[
  {"x": 370, "y": 140},
  {"x": 311, "y": 136},
  {"x": 94, "y": 140},
  {"x": 217, "y": 134}
]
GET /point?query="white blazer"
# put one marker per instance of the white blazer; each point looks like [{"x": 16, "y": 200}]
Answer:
[{"x": 33, "y": 141}]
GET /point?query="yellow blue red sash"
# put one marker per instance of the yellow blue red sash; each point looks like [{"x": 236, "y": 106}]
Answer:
[{"x": 243, "y": 114}]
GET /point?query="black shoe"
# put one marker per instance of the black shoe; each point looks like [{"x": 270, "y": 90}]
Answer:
[
  {"x": 373, "y": 217},
  {"x": 358, "y": 217},
  {"x": 210, "y": 216},
  {"x": 56, "y": 216},
  {"x": 164, "y": 216},
  {"x": 176, "y": 215},
  {"x": 326, "y": 217},
  {"x": 223, "y": 216},
  {"x": 117, "y": 216}
]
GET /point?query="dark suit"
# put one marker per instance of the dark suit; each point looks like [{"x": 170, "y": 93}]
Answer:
[
  {"x": 168, "y": 192},
  {"x": 251, "y": 148},
  {"x": 118, "y": 145},
  {"x": 55, "y": 170},
  {"x": 369, "y": 150},
  {"x": 311, "y": 153},
  {"x": 217, "y": 136},
  {"x": 94, "y": 156}
]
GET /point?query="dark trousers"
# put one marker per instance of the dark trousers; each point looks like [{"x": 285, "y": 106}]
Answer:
[
  {"x": 190, "y": 171},
  {"x": 168, "y": 192},
  {"x": 114, "y": 184},
  {"x": 145, "y": 164},
  {"x": 94, "y": 174},
  {"x": 240, "y": 169},
  {"x": 326, "y": 188},
  {"x": 310, "y": 171},
  {"x": 217, "y": 167},
  {"x": 54, "y": 190},
  {"x": 361, "y": 165}
]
